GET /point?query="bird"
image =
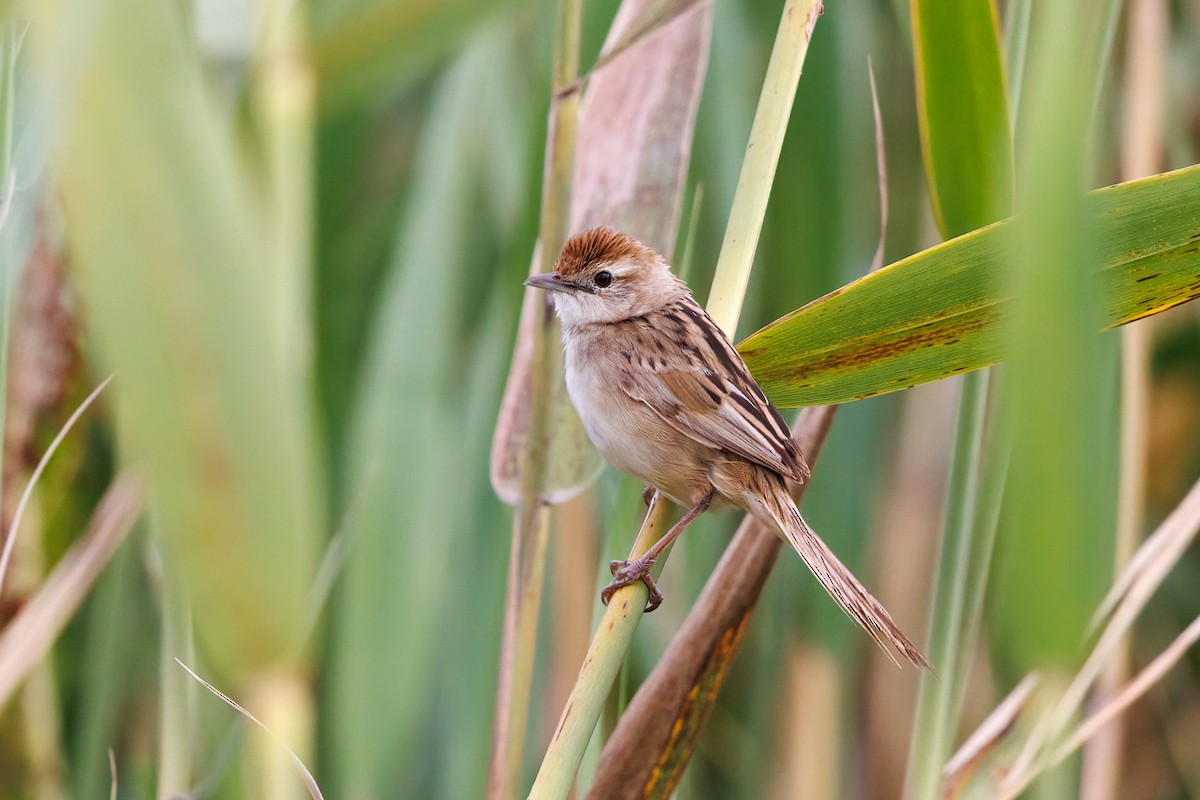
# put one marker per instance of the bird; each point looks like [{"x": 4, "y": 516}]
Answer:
[{"x": 665, "y": 397}]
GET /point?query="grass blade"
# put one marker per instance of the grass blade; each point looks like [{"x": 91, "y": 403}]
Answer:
[
  {"x": 306, "y": 777},
  {"x": 25, "y": 641},
  {"x": 11, "y": 539},
  {"x": 1057, "y": 376},
  {"x": 949, "y": 650},
  {"x": 1060, "y": 377},
  {"x": 963, "y": 111},
  {"x": 219, "y": 422}
]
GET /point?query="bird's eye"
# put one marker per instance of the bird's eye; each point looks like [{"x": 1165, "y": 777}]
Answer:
[{"x": 603, "y": 278}]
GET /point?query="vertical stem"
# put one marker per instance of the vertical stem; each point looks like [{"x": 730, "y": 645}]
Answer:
[
  {"x": 940, "y": 695},
  {"x": 177, "y": 718},
  {"x": 531, "y": 522},
  {"x": 285, "y": 701},
  {"x": 600, "y": 668},
  {"x": 284, "y": 106},
  {"x": 531, "y": 527},
  {"x": 1016, "y": 43},
  {"x": 762, "y": 157}
]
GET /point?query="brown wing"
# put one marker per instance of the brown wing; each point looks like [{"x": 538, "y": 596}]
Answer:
[{"x": 705, "y": 392}]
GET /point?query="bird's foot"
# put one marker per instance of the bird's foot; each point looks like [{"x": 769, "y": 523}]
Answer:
[
  {"x": 627, "y": 573},
  {"x": 648, "y": 495}
]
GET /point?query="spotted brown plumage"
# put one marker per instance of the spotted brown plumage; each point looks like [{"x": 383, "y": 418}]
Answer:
[{"x": 707, "y": 394}]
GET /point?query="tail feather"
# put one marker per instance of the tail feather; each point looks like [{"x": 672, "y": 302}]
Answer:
[{"x": 843, "y": 587}]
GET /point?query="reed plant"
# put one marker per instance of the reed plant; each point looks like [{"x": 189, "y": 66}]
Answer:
[{"x": 334, "y": 485}]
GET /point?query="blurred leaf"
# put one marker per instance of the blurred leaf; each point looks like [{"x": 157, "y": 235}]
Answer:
[
  {"x": 1055, "y": 553},
  {"x": 471, "y": 639},
  {"x": 365, "y": 162},
  {"x": 963, "y": 113},
  {"x": 23, "y": 149},
  {"x": 404, "y": 457},
  {"x": 117, "y": 627},
  {"x": 366, "y": 50},
  {"x": 170, "y": 268},
  {"x": 935, "y": 314}
]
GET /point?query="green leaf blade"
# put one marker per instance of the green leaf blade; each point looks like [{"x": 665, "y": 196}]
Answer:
[
  {"x": 935, "y": 314},
  {"x": 963, "y": 106}
]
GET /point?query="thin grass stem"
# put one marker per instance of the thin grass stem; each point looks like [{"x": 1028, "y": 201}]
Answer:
[
  {"x": 19, "y": 514},
  {"x": 531, "y": 523},
  {"x": 939, "y": 698}
]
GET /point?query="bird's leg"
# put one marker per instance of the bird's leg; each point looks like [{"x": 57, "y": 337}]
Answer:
[{"x": 626, "y": 573}]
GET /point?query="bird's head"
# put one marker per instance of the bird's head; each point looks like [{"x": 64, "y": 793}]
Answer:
[{"x": 605, "y": 276}]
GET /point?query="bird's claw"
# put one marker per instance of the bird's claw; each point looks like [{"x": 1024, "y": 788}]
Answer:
[
  {"x": 648, "y": 495},
  {"x": 627, "y": 573}
]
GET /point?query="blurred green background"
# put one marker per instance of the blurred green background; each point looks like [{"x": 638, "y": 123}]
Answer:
[{"x": 297, "y": 235}]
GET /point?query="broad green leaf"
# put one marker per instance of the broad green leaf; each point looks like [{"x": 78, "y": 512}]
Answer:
[
  {"x": 963, "y": 113},
  {"x": 935, "y": 313},
  {"x": 169, "y": 251},
  {"x": 406, "y": 451}
]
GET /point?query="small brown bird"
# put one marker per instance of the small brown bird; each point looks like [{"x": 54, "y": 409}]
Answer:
[{"x": 666, "y": 398}]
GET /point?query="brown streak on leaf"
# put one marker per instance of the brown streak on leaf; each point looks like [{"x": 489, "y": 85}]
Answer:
[
  {"x": 855, "y": 354},
  {"x": 665, "y": 776}
]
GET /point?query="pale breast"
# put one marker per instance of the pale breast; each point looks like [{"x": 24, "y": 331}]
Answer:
[{"x": 630, "y": 436}]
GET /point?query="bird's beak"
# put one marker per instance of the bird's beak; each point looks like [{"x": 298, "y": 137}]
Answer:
[{"x": 551, "y": 283}]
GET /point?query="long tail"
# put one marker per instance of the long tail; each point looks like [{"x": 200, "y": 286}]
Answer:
[{"x": 839, "y": 581}]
